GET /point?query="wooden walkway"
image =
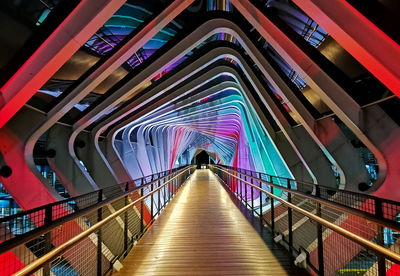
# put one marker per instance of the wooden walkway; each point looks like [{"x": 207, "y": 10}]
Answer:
[{"x": 202, "y": 232}]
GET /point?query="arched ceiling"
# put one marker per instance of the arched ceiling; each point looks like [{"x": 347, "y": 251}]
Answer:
[{"x": 228, "y": 77}]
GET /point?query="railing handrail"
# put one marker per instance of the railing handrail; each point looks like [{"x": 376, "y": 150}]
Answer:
[
  {"x": 270, "y": 175},
  {"x": 35, "y": 265},
  {"x": 28, "y": 236},
  {"x": 312, "y": 184},
  {"x": 394, "y": 225},
  {"x": 360, "y": 240},
  {"x": 43, "y": 207}
]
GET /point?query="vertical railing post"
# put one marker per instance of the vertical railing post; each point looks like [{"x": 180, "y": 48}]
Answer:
[
  {"x": 231, "y": 180},
  {"x": 242, "y": 186},
  {"x": 272, "y": 212},
  {"x": 321, "y": 270},
  {"x": 165, "y": 193},
  {"x": 290, "y": 218},
  {"x": 169, "y": 187},
  {"x": 237, "y": 183},
  {"x": 171, "y": 190},
  {"x": 173, "y": 187},
  {"x": 126, "y": 238},
  {"x": 159, "y": 195},
  {"x": 141, "y": 210},
  {"x": 99, "y": 235},
  {"x": 241, "y": 192},
  {"x": 152, "y": 201},
  {"x": 228, "y": 181},
  {"x": 48, "y": 217},
  {"x": 224, "y": 176},
  {"x": 379, "y": 237},
  {"x": 178, "y": 180},
  {"x": 261, "y": 208},
  {"x": 235, "y": 179},
  {"x": 252, "y": 195},
  {"x": 245, "y": 192}
]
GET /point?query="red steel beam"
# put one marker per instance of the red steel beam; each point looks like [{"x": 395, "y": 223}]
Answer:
[
  {"x": 72, "y": 33},
  {"x": 375, "y": 50}
]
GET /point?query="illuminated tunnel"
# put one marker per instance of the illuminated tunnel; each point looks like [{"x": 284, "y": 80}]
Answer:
[{"x": 98, "y": 94}]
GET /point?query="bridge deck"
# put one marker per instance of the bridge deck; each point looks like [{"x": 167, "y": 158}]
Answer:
[{"x": 202, "y": 232}]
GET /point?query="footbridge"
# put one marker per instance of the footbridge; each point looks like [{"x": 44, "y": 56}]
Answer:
[{"x": 214, "y": 221}]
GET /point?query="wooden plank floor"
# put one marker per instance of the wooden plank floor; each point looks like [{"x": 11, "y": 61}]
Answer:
[{"x": 202, "y": 232}]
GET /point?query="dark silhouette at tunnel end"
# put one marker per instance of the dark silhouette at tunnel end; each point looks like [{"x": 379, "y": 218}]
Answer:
[{"x": 202, "y": 159}]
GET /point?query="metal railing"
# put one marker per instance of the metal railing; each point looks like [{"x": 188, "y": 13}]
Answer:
[
  {"x": 24, "y": 222},
  {"x": 108, "y": 222},
  {"x": 380, "y": 210},
  {"x": 333, "y": 234}
]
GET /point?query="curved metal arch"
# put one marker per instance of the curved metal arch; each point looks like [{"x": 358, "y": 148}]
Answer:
[
  {"x": 216, "y": 56},
  {"x": 334, "y": 96},
  {"x": 307, "y": 115},
  {"x": 129, "y": 108},
  {"x": 170, "y": 121},
  {"x": 307, "y": 118},
  {"x": 103, "y": 71}
]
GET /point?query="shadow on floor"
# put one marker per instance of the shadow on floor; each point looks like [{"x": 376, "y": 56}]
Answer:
[{"x": 280, "y": 253}]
